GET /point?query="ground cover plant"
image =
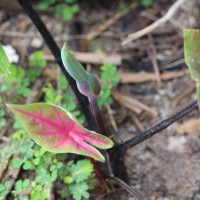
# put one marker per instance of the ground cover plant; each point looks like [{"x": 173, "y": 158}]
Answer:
[{"x": 50, "y": 146}]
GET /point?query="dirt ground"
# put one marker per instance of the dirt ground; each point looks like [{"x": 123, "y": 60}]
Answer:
[{"x": 166, "y": 166}]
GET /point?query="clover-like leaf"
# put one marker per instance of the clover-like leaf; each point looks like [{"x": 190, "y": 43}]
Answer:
[{"x": 58, "y": 131}]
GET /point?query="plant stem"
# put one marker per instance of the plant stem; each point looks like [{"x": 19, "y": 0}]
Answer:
[
  {"x": 83, "y": 102},
  {"x": 122, "y": 174}
]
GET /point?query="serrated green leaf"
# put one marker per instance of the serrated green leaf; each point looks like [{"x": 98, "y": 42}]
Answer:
[{"x": 81, "y": 170}]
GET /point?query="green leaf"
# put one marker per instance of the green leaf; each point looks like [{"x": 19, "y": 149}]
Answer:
[
  {"x": 72, "y": 65},
  {"x": 146, "y": 3},
  {"x": 2, "y": 113},
  {"x": 4, "y": 63},
  {"x": 25, "y": 183},
  {"x": 81, "y": 170},
  {"x": 16, "y": 74},
  {"x": 192, "y": 55},
  {"x": 17, "y": 162},
  {"x": 38, "y": 60},
  {"x": 19, "y": 186},
  {"x": 53, "y": 175},
  {"x": 2, "y": 187},
  {"x": 36, "y": 161},
  {"x": 53, "y": 167},
  {"x": 67, "y": 13},
  {"x": 7, "y": 184},
  {"x": 75, "y": 8},
  {"x": 27, "y": 165},
  {"x": 192, "y": 51},
  {"x": 63, "y": 82},
  {"x": 79, "y": 190},
  {"x": 2, "y": 122},
  {"x": 86, "y": 82}
]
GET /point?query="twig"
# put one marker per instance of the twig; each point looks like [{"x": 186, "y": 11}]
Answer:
[
  {"x": 152, "y": 55},
  {"x": 143, "y": 77},
  {"x": 136, "y": 121},
  {"x": 112, "y": 120},
  {"x": 186, "y": 93},
  {"x": 129, "y": 102},
  {"x": 173, "y": 9},
  {"x": 94, "y": 58},
  {"x": 127, "y": 188},
  {"x": 97, "y": 31},
  {"x": 117, "y": 152}
]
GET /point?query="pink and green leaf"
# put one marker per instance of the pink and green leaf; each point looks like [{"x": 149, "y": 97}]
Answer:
[{"x": 58, "y": 131}]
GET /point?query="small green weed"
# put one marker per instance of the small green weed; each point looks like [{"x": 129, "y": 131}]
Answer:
[
  {"x": 146, "y": 3},
  {"x": 66, "y": 10},
  {"x": 110, "y": 78}
]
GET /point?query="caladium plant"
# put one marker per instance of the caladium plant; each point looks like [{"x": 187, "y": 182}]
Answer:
[
  {"x": 58, "y": 131},
  {"x": 192, "y": 55}
]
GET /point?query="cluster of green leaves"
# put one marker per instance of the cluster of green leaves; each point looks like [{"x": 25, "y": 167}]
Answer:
[
  {"x": 66, "y": 10},
  {"x": 4, "y": 189},
  {"x": 17, "y": 84},
  {"x": 110, "y": 78},
  {"x": 80, "y": 178}
]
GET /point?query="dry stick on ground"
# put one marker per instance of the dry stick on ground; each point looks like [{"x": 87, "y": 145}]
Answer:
[
  {"x": 117, "y": 153},
  {"x": 94, "y": 58},
  {"x": 97, "y": 31},
  {"x": 127, "y": 188},
  {"x": 136, "y": 121},
  {"x": 185, "y": 94},
  {"x": 133, "y": 104},
  {"x": 143, "y": 77},
  {"x": 173, "y": 9},
  {"x": 152, "y": 55}
]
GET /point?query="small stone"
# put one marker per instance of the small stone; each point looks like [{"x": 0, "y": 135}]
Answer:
[
  {"x": 176, "y": 143},
  {"x": 37, "y": 42}
]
